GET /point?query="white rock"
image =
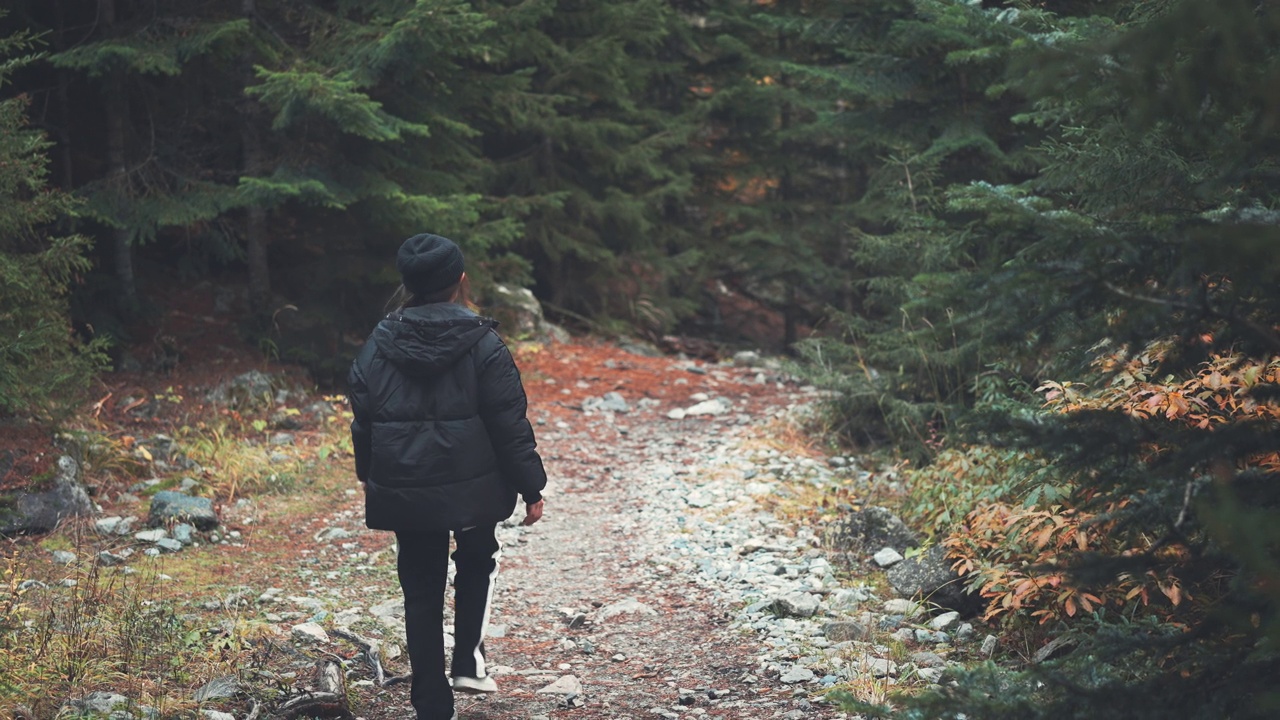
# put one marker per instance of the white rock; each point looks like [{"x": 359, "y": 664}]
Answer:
[
  {"x": 630, "y": 605},
  {"x": 566, "y": 685},
  {"x": 945, "y": 620},
  {"x": 901, "y": 606},
  {"x": 880, "y": 667},
  {"x": 798, "y": 604},
  {"x": 797, "y": 675},
  {"x": 718, "y": 406},
  {"x": 310, "y": 631},
  {"x": 887, "y": 557}
]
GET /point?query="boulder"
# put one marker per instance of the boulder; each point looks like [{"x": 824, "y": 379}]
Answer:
[
  {"x": 929, "y": 577},
  {"x": 169, "y": 506},
  {"x": 39, "y": 512},
  {"x": 860, "y": 533},
  {"x": 253, "y": 389},
  {"x": 520, "y": 315}
]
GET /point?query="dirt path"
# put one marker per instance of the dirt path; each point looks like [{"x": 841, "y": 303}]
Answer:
[{"x": 588, "y": 596}]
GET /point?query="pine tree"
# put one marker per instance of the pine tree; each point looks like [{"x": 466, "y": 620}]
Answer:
[
  {"x": 42, "y": 365},
  {"x": 587, "y": 150}
]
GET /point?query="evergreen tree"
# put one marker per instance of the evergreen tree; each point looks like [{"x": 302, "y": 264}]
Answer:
[
  {"x": 42, "y": 365},
  {"x": 588, "y": 150}
]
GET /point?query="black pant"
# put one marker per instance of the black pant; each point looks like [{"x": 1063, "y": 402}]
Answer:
[{"x": 423, "y": 566}]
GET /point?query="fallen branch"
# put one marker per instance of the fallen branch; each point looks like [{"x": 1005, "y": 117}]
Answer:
[{"x": 372, "y": 651}]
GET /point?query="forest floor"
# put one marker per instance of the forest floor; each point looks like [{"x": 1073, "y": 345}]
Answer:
[{"x": 593, "y": 600}]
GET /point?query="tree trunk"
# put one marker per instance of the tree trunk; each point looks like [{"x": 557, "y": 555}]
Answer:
[
  {"x": 116, "y": 110},
  {"x": 255, "y": 221}
]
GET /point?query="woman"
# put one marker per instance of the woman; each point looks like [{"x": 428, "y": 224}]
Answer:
[{"x": 442, "y": 445}]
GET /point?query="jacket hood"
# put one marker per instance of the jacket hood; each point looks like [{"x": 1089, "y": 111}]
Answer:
[{"x": 428, "y": 339}]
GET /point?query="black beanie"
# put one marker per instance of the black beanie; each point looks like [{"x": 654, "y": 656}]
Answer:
[{"x": 428, "y": 264}]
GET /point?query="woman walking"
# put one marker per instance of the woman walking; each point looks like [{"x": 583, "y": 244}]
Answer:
[{"x": 442, "y": 445}]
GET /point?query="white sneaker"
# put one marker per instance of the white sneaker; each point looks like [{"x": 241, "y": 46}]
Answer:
[{"x": 475, "y": 686}]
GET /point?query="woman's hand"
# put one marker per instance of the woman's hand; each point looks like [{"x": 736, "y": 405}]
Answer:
[{"x": 532, "y": 513}]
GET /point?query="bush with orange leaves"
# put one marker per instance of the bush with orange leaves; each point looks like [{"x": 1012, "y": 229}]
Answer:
[{"x": 1024, "y": 557}]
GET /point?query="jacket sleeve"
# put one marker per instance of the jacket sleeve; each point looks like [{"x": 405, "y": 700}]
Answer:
[
  {"x": 361, "y": 424},
  {"x": 504, "y": 407}
]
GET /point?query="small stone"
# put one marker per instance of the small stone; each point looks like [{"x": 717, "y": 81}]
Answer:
[
  {"x": 887, "y": 557},
  {"x": 901, "y": 606},
  {"x": 62, "y": 557},
  {"x": 566, "y": 685},
  {"x": 965, "y": 632},
  {"x": 110, "y": 559},
  {"x": 628, "y": 606},
  {"x": 844, "y": 631},
  {"x": 797, "y": 675},
  {"x": 311, "y": 632},
  {"x": 216, "y": 715},
  {"x": 989, "y": 645},
  {"x": 880, "y": 667},
  {"x": 169, "y": 545},
  {"x": 798, "y": 605},
  {"x": 931, "y": 675},
  {"x": 332, "y": 533},
  {"x": 107, "y": 525},
  {"x": 944, "y": 620},
  {"x": 150, "y": 535},
  {"x": 184, "y": 533}
]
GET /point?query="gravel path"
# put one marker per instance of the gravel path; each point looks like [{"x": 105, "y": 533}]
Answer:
[{"x": 630, "y": 599}]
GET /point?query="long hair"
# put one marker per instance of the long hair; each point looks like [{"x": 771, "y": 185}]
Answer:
[{"x": 403, "y": 297}]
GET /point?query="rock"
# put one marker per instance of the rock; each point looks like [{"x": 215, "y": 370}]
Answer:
[
  {"x": 610, "y": 402},
  {"x": 150, "y": 536},
  {"x": 311, "y": 632},
  {"x": 746, "y": 358},
  {"x": 216, "y": 715},
  {"x": 989, "y": 645},
  {"x": 844, "y": 631},
  {"x": 107, "y": 525},
  {"x": 332, "y": 533},
  {"x": 887, "y": 557},
  {"x": 566, "y": 685},
  {"x": 217, "y": 689},
  {"x": 250, "y": 390},
  {"x": 169, "y": 545},
  {"x": 899, "y": 606},
  {"x": 945, "y": 620},
  {"x": 1057, "y": 647},
  {"x": 62, "y": 557},
  {"x": 964, "y": 633},
  {"x": 630, "y": 605},
  {"x": 40, "y": 512},
  {"x": 932, "y": 675},
  {"x": 928, "y": 660},
  {"x": 718, "y": 406},
  {"x": 110, "y": 559},
  {"x": 798, "y": 605},
  {"x": 880, "y": 667},
  {"x": 868, "y": 530},
  {"x": 930, "y": 576},
  {"x": 98, "y": 704},
  {"x": 389, "y": 609},
  {"x": 184, "y": 533},
  {"x": 797, "y": 675},
  {"x": 520, "y": 315},
  {"x": 168, "y": 506}
]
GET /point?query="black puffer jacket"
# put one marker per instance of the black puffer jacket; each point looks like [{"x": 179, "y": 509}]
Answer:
[{"x": 440, "y": 434}]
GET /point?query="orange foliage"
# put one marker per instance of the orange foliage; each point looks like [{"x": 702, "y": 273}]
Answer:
[{"x": 1016, "y": 556}]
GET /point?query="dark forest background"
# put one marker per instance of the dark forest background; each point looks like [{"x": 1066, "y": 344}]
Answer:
[{"x": 1039, "y": 242}]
